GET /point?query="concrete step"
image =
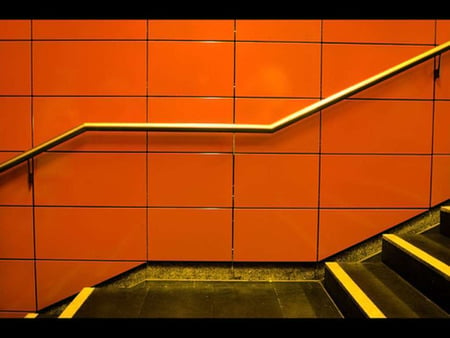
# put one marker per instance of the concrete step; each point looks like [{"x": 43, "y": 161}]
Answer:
[{"x": 373, "y": 290}]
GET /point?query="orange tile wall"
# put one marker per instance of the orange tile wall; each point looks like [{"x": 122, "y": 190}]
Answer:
[{"x": 103, "y": 203}]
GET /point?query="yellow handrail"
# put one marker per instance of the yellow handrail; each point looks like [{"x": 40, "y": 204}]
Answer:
[{"x": 230, "y": 127}]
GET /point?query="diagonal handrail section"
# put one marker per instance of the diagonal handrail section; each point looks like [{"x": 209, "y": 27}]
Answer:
[{"x": 230, "y": 127}]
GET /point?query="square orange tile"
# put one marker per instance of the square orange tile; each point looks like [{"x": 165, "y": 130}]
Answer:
[
  {"x": 377, "y": 126},
  {"x": 442, "y": 31},
  {"x": 365, "y": 61},
  {"x": 191, "y": 29},
  {"x": 301, "y": 137},
  {"x": 278, "y": 69},
  {"x": 57, "y": 280},
  {"x": 378, "y": 181},
  {"x": 442, "y": 83},
  {"x": 190, "y": 68},
  {"x": 272, "y": 180},
  {"x": 189, "y": 234},
  {"x": 190, "y": 110},
  {"x": 440, "y": 190},
  {"x": 14, "y": 184},
  {"x": 343, "y": 228},
  {"x": 379, "y": 31},
  {"x": 15, "y": 68},
  {"x": 190, "y": 180},
  {"x": 16, "y": 233},
  {"x": 17, "y": 285},
  {"x": 91, "y": 233},
  {"x": 90, "y": 179},
  {"x": 89, "y": 67},
  {"x": 271, "y": 235},
  {"x": 442, "y": 127},
  {"x": 278, "y": 30},
  {"x": 56, "y": 115},
  {"x": 15, "y": 29},
  {"x": 15, "y": 123},
  {"x": 89, "y": 29},
  {"x": 13, "y": 314}
]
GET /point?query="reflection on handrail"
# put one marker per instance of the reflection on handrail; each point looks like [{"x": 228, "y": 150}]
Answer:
[{"x": 227, "y": 127}]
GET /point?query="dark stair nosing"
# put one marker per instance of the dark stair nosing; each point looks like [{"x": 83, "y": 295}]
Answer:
[{"x": 418, "y": 267}]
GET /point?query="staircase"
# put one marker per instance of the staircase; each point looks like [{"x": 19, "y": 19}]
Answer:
[{"x": 408, "y": 279}]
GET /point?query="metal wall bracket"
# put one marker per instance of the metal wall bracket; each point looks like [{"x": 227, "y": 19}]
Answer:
[{"x": 437, "y": 67}]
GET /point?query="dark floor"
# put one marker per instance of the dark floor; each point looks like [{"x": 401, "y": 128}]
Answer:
[{"x": 212, "y": 299}]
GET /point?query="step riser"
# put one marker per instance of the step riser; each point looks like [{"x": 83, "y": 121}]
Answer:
[
  {"x": 341, "y": 298},
  {"x": 445, "y": 221},
  {"x": 428, "y": 281}
]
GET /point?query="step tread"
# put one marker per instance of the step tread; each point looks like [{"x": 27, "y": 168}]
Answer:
[
  {"x": 394, "y": 296},
  {"x": 112, "y": 303},
  {"x": 212, "y": 299},
  {"x": 432, "y": 242},
  {"x": 415, "y": 252}
]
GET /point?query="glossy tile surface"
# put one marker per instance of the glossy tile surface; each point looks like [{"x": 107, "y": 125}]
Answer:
[
  {"x": 441, "y": 179},
  {"x": 89, "y": 29},
  {"x": 186, "y": 234},
  {"x": 189, "y": 180},
  {"x": 441, "y": 137},
  {"x": 56, "y": 115},
  {"x": 90, "y": 233},
  {"x": 442, "y": 30},
  {"x": 15, "y": 112},
  {"x": 278, "y": 30},
  {"x": 190, "y": 110},
  {"x": 191, "y": 29},
  {"x": 190, "y": 68},
  {"x": 301, "y": 137},
  {"x": 57, "y": 280},
  {"x": 342, "y": 228},
  {"x": 276, "y": 180},
  {"x": 373, "y": 127},
  {"x": 16, "y": 232},
  {"x": 379, "y": 31},
  {"x": 375, "y": 181},
  {"x": 368, "y": 60},
  {"x": 275, "y": 235},
  {"x": 14, "y": 184},
  {"x": 15, "y": 67},
  {"x": 17, "y": 285},
  {"x": 277, "y": 69},
  {"x": 442, "y": 84},
  {"x": 89, "y": 67},
  {"x": 15, "y": 29},
  {"x": 13, "y": 314},
  {"x": 102, "y": 179}
]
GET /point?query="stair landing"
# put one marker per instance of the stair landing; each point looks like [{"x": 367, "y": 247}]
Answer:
[{"x": 211, "y": 299}]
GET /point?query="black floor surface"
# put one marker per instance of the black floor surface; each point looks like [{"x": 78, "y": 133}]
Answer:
[{"x": 212, "y": 299}]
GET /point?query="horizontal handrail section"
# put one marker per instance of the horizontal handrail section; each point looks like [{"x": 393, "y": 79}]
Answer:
[{"x": 230, "y": 127}]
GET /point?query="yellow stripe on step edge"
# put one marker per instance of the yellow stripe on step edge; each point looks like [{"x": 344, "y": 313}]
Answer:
[
  {"x": 75, "y": 305},
  {"x": 363, "y": 301},
  {"x": 419, "y": 253},
  {"x": 31, "y": 315}
]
